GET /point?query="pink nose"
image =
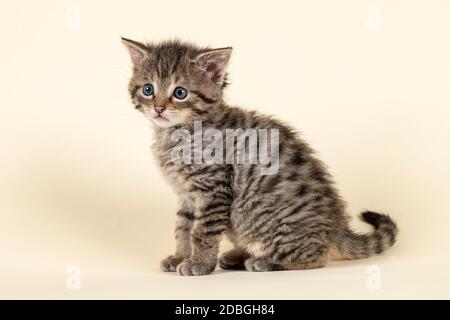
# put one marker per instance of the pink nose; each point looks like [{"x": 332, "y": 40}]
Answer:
[{"x": 159, "y": 109}]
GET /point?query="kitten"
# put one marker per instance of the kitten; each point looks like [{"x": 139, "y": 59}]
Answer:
[{"x": 293, "y": 219}]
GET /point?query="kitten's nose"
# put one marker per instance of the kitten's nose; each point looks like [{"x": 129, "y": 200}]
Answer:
[{"x": 159, "y": 109}]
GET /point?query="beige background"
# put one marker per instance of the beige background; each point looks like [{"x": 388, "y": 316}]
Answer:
[{"x": 78, "y": 185}]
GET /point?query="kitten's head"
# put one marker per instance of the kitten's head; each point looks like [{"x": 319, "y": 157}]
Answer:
[{"x": 175, "y": 82}]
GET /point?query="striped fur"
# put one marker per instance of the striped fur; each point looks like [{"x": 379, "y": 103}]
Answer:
[{"x": 291, "y": 220}]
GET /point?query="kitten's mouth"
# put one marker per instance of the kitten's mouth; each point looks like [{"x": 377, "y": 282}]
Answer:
[
  {"x": 160, "y": 118},
  {"x": 155, "y": 117}
]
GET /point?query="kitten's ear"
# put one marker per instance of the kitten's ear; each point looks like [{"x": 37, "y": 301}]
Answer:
[
  {"x": 138, "y": 51},
  {"x": 214, "y": 63}
]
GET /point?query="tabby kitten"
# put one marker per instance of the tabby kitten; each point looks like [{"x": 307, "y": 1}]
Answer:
[{"x": 293, "y": 219}]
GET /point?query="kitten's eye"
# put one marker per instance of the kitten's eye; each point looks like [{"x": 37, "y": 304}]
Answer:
[
  {"x": 147, "y": 89},
  {"x": 180, "y": 93}
]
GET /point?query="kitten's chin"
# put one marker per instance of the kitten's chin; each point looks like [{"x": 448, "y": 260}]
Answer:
[
  {"x": 159, "y": 121},
  {"x": 162, "y": 122},
  {"x": 166, "y": 120}
]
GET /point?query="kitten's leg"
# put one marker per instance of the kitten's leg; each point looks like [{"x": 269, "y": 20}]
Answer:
[
  {"x": 211, "y": 221},
  {"x": 234, "y": 259},
  {"x": 312, "y": 252},
  {"x": 182, "y": 236},
  {"x": 300, "y": 258}
]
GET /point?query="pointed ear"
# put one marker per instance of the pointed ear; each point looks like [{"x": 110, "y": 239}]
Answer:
[
  {"x": 138, "y": 51},
  {"x": 214, "y": 63}
]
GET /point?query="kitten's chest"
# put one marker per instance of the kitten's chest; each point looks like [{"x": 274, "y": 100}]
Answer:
[
  {"x": 177, "y": 172},
  {"x": 181, "y": 162},
  {"x": 174, "y": 173}
]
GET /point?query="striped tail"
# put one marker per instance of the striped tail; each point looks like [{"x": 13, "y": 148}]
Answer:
[{"x": 357, "y": 246}]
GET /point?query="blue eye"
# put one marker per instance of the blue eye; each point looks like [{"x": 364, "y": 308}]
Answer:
[
  {"x": 180, "y": 93},
  {"x": 147, "y": 89}
]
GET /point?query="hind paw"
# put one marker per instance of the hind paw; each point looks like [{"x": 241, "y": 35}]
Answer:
[
  {"x": 261, "y": 265},
  {"x": 233, "y": 259}
]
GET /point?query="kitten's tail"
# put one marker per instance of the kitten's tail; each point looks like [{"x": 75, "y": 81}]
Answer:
[{"x": 357, "y": 246}]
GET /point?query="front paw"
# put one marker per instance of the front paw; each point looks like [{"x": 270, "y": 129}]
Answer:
[
  {"x": 170, "y": 263},
  {"x": 191, "y": 267}
]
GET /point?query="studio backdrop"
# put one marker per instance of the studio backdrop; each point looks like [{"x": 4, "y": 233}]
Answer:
[{"x": 84, "y": 209}]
